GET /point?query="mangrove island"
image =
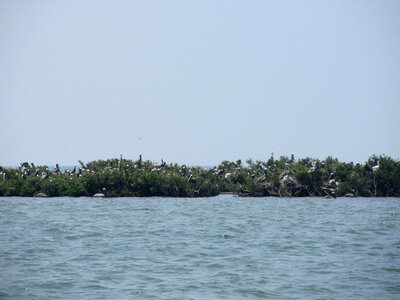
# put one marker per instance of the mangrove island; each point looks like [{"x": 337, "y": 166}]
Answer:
[{"x": 283, "y": 177}]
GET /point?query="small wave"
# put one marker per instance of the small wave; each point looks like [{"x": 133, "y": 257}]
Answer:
[
  {"x": 55, "y": 285},
  {"x": 94, "y": 234},
  {"x": 46, "y": 250},
  {"x": 226, "y": 236},
  {"x": 215, "y": 266},
  {"x": 195, "y": 255},
  {"x": 392, "y": 269},
  {"x": 49, "y": 239},
  {"x": 95, "y": 287},
  {"x": 255, "y": 293}
]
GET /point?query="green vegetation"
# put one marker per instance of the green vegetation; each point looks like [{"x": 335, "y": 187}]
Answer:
[{"x": 378, "y": 177}]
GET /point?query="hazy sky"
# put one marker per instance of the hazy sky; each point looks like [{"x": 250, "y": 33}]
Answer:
[{"x": 198, "y": 82}]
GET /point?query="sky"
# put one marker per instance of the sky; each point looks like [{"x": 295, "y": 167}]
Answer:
[{"x": 198, "y": 82}]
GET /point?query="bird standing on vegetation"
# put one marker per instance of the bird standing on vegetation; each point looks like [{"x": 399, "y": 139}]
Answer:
[
  {"x": 56, "y": 169},
  {"x": 192, "y": 179},
  {"x": 314, "y": 168},
  {"x": 368, "y": 168},
  {"x": 271, "y": 158},
  {"x": 45, "y": 175}
]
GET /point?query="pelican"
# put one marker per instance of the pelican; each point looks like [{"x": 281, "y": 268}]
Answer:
[
  {"x": 261, "y": 179},
  {"x": 351, "y": 194},
  {"x": 314, "y": 168},
  {"x": 192, "y": 179},
  {"x": 271, "y": 157},
  {"x": 73, "y": 171},
  {"x": 368, "y": 168},
  {"x": 45, "y": 175},
  {"x": 156, "y": 170},
  {"x": 41, "y": 195},
  {"x": 56, "y": 169},
  {"x": 82, "y": 164},
  {"x": 100, "y": 195},
  {"x": 283, "y": 174},
  {"x": 220, "y": 171},
  {"x": 288, "y": 180}
]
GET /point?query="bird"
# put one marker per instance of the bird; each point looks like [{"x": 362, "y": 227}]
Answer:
[
  {"x": 314, "y": 168},
  {"x": 82, "y": 164},
  {"x": 283, "y": 174},
  {"x": 271, "y": 159},
  {"x": 163, "y": 163},
  {"x": 332, "y": 183},
  {"x": 261, "y": 179},
  {"x": 368, "y": 168},
  {"x": 192, "y": 179},
  {"x": 220, "y": 171},
  {"x": 45, "y": 175},
  {"x": 100, "y": 195},
  {"x": 56, "y": 169}
]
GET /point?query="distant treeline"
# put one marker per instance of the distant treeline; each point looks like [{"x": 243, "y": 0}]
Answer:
[{"x": 283, "y": 177}]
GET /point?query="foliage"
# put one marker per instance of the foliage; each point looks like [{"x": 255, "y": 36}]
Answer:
[{"x": 379, "y": 176}]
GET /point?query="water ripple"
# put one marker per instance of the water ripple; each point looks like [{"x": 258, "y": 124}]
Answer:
[{"x": 224, "y": 247}]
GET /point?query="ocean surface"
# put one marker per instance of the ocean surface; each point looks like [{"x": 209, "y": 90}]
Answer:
[{"x": 224, "y": 247}]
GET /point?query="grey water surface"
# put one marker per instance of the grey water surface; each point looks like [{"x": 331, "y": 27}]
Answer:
[{"x": 224, "y": 247}]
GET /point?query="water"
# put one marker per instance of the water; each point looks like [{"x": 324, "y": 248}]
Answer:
[{"x": 209, "y": 248}]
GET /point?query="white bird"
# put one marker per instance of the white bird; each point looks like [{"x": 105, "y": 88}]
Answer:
[{"x": 228, "y": 175}]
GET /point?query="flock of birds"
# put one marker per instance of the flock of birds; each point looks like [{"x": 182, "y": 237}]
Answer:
[{"x": 285, "y": 178}]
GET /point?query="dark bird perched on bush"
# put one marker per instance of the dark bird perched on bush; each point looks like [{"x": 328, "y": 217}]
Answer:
[
  {"x": 368, "y": 168},
  {"x": 56, "y": 169},
  {"x": 314, "y": 168},
  {"x": 192, "y": 179}
]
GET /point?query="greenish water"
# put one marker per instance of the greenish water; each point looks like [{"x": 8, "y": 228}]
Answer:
[{"x": 209, "y": 248}]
